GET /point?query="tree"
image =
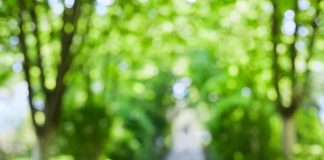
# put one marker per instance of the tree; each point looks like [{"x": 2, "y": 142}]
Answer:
[
  {"x": 289, "y": 88},
  {"x": 46, "y": 92}
]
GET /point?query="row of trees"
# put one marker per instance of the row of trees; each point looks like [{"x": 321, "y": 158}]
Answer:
[{"x": 100, "y": 73}]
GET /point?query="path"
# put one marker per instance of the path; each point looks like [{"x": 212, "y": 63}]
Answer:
[{"x": 187, "y": 136}]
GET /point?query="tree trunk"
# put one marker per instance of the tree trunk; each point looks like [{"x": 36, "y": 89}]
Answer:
[
  {"x": 43, "y": 146},
  {"x": 288, "y": 137}
]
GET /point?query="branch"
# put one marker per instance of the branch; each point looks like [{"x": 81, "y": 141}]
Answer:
[
  {"x": 311, "y": 48},
  {"x": 26, "y": 63},
  {"x": 70, "y": 17},
  {"x": 38, "y": 50},
  {"x": 293, "y": 54},
  {"x": 83, "y": 37},
  {"x": 275, "y": 65}
]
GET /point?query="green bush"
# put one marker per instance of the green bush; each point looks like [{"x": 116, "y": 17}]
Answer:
[{"x": 243, "y": 130}]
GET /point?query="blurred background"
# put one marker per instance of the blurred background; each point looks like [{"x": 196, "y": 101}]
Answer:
[{"x": 161, "y": 79}]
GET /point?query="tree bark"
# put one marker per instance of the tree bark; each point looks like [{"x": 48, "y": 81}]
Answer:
[
  {"x": 288, "y": 137},
  {"x": 43, "y": 146}
]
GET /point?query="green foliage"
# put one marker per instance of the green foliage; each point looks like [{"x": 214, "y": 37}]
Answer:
[
  {"x": 84, "y": 131},
  {"x": 242, "y": 130},
  {"x": 141, "y": 123},
  {"x": 309, "y": 133},
  {"x": 128, "y": 54}
]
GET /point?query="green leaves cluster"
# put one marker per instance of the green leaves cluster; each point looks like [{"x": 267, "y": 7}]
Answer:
[{"x": 128, "y": 54}]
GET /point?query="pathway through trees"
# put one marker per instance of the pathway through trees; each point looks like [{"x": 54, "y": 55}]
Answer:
[{"x": 187, "y": 136}]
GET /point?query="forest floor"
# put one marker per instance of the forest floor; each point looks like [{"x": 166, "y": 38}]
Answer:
[{"x": 187, "y": 136}]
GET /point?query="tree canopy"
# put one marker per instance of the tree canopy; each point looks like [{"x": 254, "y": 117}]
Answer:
[{"x": 107, "y": 79}]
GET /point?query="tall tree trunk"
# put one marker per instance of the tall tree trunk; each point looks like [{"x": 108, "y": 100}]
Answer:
[
  {"x": 288, "y": 136},
  {"x": 43, "y": 146}
]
